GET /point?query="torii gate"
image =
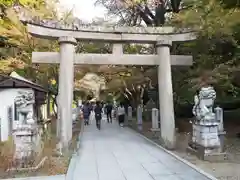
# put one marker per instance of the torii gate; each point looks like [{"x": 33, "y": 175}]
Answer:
[{"x": 162, "y": 37}]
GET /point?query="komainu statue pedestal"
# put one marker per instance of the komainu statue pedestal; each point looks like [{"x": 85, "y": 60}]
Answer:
[{"x": 207, "y": 128}]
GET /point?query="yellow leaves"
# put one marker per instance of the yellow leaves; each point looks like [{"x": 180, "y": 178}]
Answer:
[
  {"x": 12, "y": 28},
  {"x": 132, "y": 3},
  {"x": 29, "y": 3},
  {"x": 10, "y": 64},
  {"x": 53, "y": 81},
  {"x": 6, "y": 2},
  {"x": 25, "y": 2}
]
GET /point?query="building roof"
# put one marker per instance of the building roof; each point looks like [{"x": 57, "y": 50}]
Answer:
[{"x": 17, "y": 81}]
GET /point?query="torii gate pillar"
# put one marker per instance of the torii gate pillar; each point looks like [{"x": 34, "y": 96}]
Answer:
[
  {"x": 166, "y": 94},
  {"x": 65, "y": 90}
]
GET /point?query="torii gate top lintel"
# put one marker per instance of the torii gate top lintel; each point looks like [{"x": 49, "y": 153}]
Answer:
[{"x": 54, "y": 30}]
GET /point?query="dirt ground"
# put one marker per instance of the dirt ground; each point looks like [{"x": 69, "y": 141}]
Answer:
[{"x": 226, "y": 170}]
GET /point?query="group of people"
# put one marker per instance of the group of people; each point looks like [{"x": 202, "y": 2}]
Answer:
[{"x": 88, "y": 109}]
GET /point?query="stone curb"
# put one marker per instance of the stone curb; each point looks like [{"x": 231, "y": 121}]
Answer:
[
  {"x": 73, "y": 161},
  {"x": 55, "y": 177},
  {"x": 209, "y": 176}
]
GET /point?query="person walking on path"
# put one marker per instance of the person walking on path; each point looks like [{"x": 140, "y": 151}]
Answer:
[
  {"x": 121, "y": 114},
  {"x": 109, "y": 108},
  {"x": 86, "y": 113},
  {"x": 98, "y": 114}
]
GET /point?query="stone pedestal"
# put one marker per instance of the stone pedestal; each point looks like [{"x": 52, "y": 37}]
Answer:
[
  {"x": 206, "y": 143},
  {"x": 155, "y": 123},
  {"x": 206, "y": 136},
  {"x": 27, "y": 140},
  {"x": 139, "y": 117},
  {"x": 221, "y": 132},
  {"x": 126, "y": 120},
  {"x": 129, "y": 117}
]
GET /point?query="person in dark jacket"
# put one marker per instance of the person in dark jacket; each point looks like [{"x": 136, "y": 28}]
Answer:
[
  {"x": 98, "y": 114},
  {"x": 109, "y": 108},
  {"x": 86, "y": 113}
]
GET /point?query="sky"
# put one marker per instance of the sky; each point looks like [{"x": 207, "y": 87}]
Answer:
[{"x": 84, "y": 9}]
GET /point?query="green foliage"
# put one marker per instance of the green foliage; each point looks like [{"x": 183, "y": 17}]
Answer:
[
  {"x": 216, "y": 50},
  {"x": 109, "y": 97},
  {"x": 210, "y": 18},
  {"x": 230, "y": 4}
]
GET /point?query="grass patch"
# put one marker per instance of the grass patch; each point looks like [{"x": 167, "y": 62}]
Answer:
[
  {"x": 55, "y": 165},
  {"x": 6, "y": 155}
]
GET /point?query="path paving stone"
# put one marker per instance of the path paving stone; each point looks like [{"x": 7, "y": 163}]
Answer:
[{"x": 116, "y": 153}]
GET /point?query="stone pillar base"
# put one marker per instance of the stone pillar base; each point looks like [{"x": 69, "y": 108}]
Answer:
[
  {"x": 140, "y": 128},
  {"x": 126, "y": 120},
  {"x": 206, "y": 154},
  {"x": 156, "y": 132},
  {"x": 155, "y": 129},
  {"x": 221, "y": 136}
]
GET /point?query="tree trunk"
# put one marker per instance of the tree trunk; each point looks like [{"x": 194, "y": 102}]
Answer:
[
  {"x": 53, "y": 105},
  {"x": 48, "y": 104}
]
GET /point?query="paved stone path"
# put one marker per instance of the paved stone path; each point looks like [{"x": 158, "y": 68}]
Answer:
[{"x": 115, "y": 153}]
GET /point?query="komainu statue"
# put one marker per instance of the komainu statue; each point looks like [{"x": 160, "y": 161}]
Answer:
[
  {"x": 27, "y": 134},
  {"x": 207, "y": 137},
  {"x": 24, "y": 98},
  {"x": 24, "y": 104},
  {"x": 203, "y": 105}
]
